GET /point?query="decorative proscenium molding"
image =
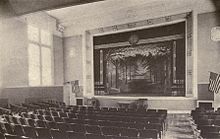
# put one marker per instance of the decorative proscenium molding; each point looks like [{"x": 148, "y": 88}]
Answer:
[
  {"x": 142, "y": 41},
  {"x": 137, "y": 24}
]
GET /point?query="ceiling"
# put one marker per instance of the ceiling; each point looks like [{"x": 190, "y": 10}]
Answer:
[
  {"x": 130, "y": 8},
  {"x": 10, "y": 8}
]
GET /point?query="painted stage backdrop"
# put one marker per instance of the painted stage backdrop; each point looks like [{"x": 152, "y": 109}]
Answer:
[{"x": 144, "y": 69}]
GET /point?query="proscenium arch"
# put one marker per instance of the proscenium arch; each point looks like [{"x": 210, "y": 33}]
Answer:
[{"x": 190, "y": 48}]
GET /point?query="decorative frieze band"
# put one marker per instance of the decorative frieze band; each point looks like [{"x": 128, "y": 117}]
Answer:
[{"x": 146, "y": 22}]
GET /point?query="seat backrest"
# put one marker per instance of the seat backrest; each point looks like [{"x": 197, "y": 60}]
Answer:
[
  {"x": 136, "y": 125},
  {"x": 39, "y": 111},
  {"x": 43, "y": 133},
  {"x": 2, "y": 135},
  {"x": 48, "y": 118},
  {"x": 63, "y": 127},
  {"x": 107, "y": 130},
  {"x": 41, "y": 123},
  {"x": 149, "y": 133},
  {"x": 54, "y": 113},
  {"x": 90, "y": 108},
  {"x": 78, "y": 128},
  {"x": 2, "y": 128},
  {"x": 156, "y": 126},
  {"x": 121, "y": 110},
  {"x": 71, "y": 115},
  {"x": 113, "y": 109},
  {"x": 32, "y": 116},
  {"x": 104, "y": 122},
  {"x": 75, "y": 108},
  {"x": 40, "y": 117},
  {"x": 153, "y": 120},
  {"x": 94, "y": 136},
  {"x": 76, "y": 135},
  {"x": 131, "y": 110},
  {"x": 63, "y": 114},
  {"x": 81, "y": 116},
  {"x": 51, "y": 125},
  {"x": 7, "y": 118},
  {"x": 14, "y": 120},
  {"x": 91, "y": 122},
  {"x": 58, "y": 119},
  {"x": 24, "y": 114},
  {"x": 216, "y": 122},
  {"x": 93, "y": 129},
  {"x": 56, "y": 134},
  {"x": 18, "y": 130},
  {"x": 9, "y": 128},
  {"x": 79, "y": 121},
  {"x": 211, "y": 135},
  {"x": 121, "y": 137},
  {"x": 104, "y": 109},
  {"x": 209, "y": 128},
  {"x": 82, "y": 108},
  {"x": 10, "y": 136},
  {"x": 128, "y": 132},
  {"x": 68, "y": 120},
  {"x": 46, "y": 112},
  {"x": 31, "y": 122},
  {"x": 30, "y": 132},
  {"x": 22, "y": 121}
]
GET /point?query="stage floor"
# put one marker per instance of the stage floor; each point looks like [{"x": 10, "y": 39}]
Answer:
[{"x": 143, "y": 95}]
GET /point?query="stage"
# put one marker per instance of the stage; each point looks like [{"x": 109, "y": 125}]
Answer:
[{"x": 172, "y": 104}]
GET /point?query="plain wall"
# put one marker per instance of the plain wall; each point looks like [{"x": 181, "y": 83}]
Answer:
[
  {"x": 73, "y": 60},
  {"x": 58, "y": 60},
  {"x": 208, "y": 53},
  {"x": 14, "y": 61},
  {"x": 204, "y": 93},
  {"x": 208, "y": 50}
]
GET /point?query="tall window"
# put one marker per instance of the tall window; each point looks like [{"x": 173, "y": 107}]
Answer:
[{"x": 39, "y": 57}]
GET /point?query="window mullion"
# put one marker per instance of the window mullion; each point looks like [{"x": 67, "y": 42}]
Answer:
[{"x": 41, "y": 68}]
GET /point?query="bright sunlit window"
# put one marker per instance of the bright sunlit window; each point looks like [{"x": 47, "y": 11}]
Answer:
[{"x": 39, "y": 57}]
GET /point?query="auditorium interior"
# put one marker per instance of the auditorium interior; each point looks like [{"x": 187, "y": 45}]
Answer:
[{"x": 109, "y": 69}]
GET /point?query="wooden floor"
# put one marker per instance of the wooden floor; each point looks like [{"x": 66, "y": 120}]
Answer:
[{"x": 179, "y": 127}]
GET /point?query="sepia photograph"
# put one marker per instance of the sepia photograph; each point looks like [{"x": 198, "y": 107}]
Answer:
[{"x": 109, "y": 69}]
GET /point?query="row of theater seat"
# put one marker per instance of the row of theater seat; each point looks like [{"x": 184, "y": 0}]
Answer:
[
  {"x": 74, "y": 117},
  {"x": 82, "y": 123},
  {"x": 104, "y": 120},
  {"x": 110, "y": 109},
  {"x": 44, "y": 104},
  {"x": 207, "y": 122},
  {"x": 70, "y": 130},
  {"x": 86, "y": 122},
  {"x": 58, "y": 106},
  {"x": 65, "y": 112}
]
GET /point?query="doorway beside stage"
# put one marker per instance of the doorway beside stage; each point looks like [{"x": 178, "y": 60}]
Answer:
[{"x": 147, "y": 62}]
